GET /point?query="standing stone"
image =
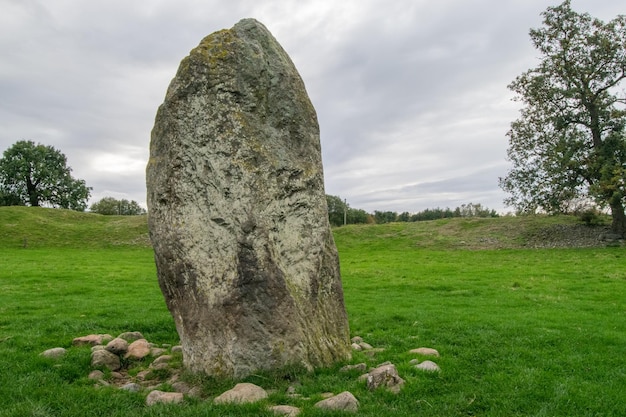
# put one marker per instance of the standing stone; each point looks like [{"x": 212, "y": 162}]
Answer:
[{"x": 237, "y": 211}]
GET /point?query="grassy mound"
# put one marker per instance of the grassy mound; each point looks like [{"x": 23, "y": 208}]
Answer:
[{"x": 36, "y": 227}]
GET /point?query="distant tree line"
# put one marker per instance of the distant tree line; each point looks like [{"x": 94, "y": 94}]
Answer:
[
  {"x": 339, "y": 213},
  {"x": 112, "y": 206}
]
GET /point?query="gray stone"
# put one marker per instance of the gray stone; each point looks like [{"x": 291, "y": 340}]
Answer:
[
  {"x": 177, "y": 349},
  {"x": 92, "y": 340},
  {"x": 428, "y": 366},
  {"x": 285, "y": 410},
  {"x": 425, "y": 351},
  {"x": 118, "y": 346},
  {"x": 54, "y": 353},
  {"x": 131, "y": 386},
  {"x": 237, "y": 211},
  {"x": 160, "y": 397},
  {"x": 105, "y": 358},
  {"x": 242, "y": 393},
  {"x": 96, "y": 375},
  {"x": 361, "y": 367},
  {"x": 344, "y": 402},
  {"x": 161, "y": 360},
  {"x": 138, "y": 350},
  {"x": 131, "y": 336},
  {"x": 385, "y": 376}
]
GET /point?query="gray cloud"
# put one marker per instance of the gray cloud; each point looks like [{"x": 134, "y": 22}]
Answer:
[{"x": 411, "y": 95}]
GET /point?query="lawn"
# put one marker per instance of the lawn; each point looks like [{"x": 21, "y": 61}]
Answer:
[{"x": 521, "y": 332}]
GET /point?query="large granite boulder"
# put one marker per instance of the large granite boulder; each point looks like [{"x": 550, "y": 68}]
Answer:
[{"x": 237, "y": 211}]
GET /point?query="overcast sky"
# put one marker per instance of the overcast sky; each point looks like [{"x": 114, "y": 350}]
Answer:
[{"x": 411, "y": 95}]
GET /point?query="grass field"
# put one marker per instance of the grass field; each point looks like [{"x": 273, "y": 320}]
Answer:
[{"x": 521, "y": 332}]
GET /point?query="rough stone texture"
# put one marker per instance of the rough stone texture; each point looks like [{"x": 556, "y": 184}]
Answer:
[
  {"x": 137, "y": 350},
  {"x": 425, "y": 351},
  {"x": 159, "y": 397},
  {"x": 131, "y": 336},
  {"x": 237, "y": 211},
  {"x": 54, "y": 353},
  {"x": 118, "y": 346},
  {"x": 92, "y": 340},
  {"x": 285, "y": 410},
  {"x": 242, "y": 393},
  {"x": 361, "y": 367},
  {"x": 105, "y": 358},
  {"x": 344, "y": 401},
  {"x": 385, "y": 376},
  {"x": 428, "y": 366}
]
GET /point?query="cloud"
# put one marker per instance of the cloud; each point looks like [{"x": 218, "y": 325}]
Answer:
[{"x": 411, "y": 95}]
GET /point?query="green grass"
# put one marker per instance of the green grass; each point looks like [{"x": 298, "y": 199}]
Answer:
[{"x": 521, "y": 332}]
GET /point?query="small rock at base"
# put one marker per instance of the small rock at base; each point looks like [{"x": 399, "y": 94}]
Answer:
[
  {"x": 117, "y": 346},
  {"x": 97, "y": 374},
  {"x": 344, "y": 401},
  {"x": 131, "y": 386},
  {"x": 385, "y": 376},
  {"x": 54, "y": 353},
  {"x": 361, "y": 367},
  {"x": 105, "y": 358},
  {"x": 177, "y": 348},
  {"x": 356, "y": 339},
  {"x": 425, "y": 351},
  {"x": 365, "y": 346},
  {"x": 285, "y": 410},
  {"x": 428, "y": 366},
  {"x": 92, "y": 340},
  {"x": 131, "y": 336},
  {"x": 139, "y": 349},
  {"x": 160, "y": 397},
  {"x": 242, "y": 393}
]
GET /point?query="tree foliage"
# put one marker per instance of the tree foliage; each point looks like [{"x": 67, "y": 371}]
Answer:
[
  {"x": 38, "y": 175},
  {"x": 569, "y": 142},
  {"x": 112, "y": 206},
  {"x": 339, "y": 212}
]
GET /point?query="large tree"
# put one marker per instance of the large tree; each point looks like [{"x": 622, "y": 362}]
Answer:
[
  {"x": 35, "y": 174},
  {"x": 569, "y": 142}
]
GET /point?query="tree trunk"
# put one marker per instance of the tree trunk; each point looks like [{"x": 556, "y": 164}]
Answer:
[
  {"x": 619, "y": 218},
  {"x": 33, "y": 195}
]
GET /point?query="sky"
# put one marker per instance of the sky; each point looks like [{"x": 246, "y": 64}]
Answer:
[{"x": 411, "y": 95}]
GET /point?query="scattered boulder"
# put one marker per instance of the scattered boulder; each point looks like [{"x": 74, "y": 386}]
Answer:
[
  {"x": 138, "y": 350},
  {"x": 425, "y": 351},
  {"x": 105, "y": 358},
  {"x": 344, "y": 402},
  {"x": 92, "y": 340},
  {"x": 356, "y": 339},
  {"x": 356, "y": 346},
  {"x": 117, "y": 346},
  {"x": 428, "y": 366},
  {"x": 160, "y": 397},
  {"x": 54, "y": 353},
  {"x": 285, "y": 410},
  {"x": 385, "y": 376},
  {"x": 131, "y": 336},
  {"x": 96, "y": 375},
  {"x": 177, "y": 349},
  {"x": 242, "y": 393},
  {"x": 161, "y": 360},
  {"x": 131, "y": 386},
  {"x": 237, "y": 211},
  {"x": 157, "y": 351},
  {"x": 361, "y": 367}
]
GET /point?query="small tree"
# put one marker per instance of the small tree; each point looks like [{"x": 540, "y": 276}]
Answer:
[
  {"x": 570, "y": 141},
  {"x": 38, "y": 175},
  {"x": 112, "y": 206}
]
